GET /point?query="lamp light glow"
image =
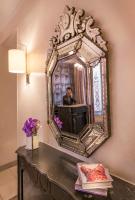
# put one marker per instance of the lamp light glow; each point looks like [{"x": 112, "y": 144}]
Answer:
[
  {"x": 78, "y": 66},
  {"x": 17, "y": 61},
  {"x": 71, "y": 52}
]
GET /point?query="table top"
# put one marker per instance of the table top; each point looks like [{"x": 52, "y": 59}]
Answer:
[{"x": 60, "y": 168}]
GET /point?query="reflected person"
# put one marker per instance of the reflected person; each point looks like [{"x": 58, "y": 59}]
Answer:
[{"x": 68, "y": 98}]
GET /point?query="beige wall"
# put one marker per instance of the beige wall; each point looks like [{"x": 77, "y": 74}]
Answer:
[
  {"x": 116, "y": 19},
  {"x": 8, "y": 111}
]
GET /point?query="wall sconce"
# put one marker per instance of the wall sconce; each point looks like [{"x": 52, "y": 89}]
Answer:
[{"x": 17, "y": 62}]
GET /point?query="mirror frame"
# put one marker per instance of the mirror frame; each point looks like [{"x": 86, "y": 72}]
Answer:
[{"x": 75, "y": 34}]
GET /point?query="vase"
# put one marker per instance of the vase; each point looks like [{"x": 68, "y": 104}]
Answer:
[{"x": 32, "y": 142}]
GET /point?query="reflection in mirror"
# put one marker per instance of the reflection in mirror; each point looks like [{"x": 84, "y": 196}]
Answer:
[
  {"x": 77, "y": 90},
  {"x": 69, "y": 95},
  {"x": 97, "y": 94}
]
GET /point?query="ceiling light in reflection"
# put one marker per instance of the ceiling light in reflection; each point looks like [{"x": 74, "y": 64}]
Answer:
[
  {"x": 82, "y": 58},
  {"x": 78, "y": 66},
  {"x": 71, "y": 52}
]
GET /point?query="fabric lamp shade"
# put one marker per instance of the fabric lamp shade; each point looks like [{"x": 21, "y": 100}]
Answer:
[{"x": 17, "y": 61}]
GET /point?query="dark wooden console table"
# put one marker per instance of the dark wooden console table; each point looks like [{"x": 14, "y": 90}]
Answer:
[{"x": 49, "y": 174}]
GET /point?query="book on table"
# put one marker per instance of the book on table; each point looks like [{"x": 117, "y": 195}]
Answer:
[
  {"x": 95, "y": 191},
  {"x": 94, "y": 176}
]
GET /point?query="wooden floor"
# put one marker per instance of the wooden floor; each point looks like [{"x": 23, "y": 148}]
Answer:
[{"x": 8, "y": 183}]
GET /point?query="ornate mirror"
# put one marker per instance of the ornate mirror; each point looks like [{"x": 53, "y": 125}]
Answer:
[{"x": 78, "y": 104}]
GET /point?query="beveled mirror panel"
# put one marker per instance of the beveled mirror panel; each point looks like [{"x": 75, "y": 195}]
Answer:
[{"x": 78, "y": 104}]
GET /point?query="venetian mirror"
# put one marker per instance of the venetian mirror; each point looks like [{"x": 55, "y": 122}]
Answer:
[{"x": 78, "y": 104}]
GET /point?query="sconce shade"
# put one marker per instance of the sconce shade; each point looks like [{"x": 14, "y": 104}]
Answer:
[{"x": 17, "y": 61}]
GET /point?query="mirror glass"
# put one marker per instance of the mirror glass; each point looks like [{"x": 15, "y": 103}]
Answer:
[
  {"x": 70, "y": 108},
  {"x": 97, "y": 90}
]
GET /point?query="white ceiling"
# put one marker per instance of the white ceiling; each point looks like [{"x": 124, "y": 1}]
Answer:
[
  {"x": 7, "y": 9},
  {"x": 13, "y": 11}
]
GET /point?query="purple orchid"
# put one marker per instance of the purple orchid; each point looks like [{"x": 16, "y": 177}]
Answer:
[
  {"x": 58, "y": 121},
  {"x": 31, "y": 127}
]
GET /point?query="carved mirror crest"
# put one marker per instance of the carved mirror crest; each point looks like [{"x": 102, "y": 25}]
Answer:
[{"x": 78, "y": 104}]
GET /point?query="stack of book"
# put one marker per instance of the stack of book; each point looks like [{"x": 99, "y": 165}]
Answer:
[{"x": 93, "y": 179}]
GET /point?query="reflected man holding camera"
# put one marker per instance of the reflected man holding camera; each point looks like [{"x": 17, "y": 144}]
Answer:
[{"x": 68, "y": 98}]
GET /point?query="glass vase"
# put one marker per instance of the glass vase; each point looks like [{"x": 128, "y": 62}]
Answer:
[{"x": 32, "y": 142}]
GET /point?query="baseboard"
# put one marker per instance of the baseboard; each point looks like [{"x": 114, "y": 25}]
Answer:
[
  {"x": 130, "y": 182},
  {"x": 14, "y": 198},
  {"x": 8, "y": 165}
]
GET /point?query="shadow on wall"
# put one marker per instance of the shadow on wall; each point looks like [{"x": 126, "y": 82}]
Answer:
[{"x": 8, "y": 113}]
